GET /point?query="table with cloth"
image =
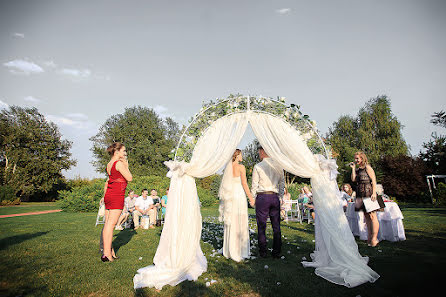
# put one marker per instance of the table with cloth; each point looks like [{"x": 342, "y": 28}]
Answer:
[{"x": 391, "y": 226}]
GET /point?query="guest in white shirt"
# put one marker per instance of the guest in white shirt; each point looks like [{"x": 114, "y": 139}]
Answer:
[
  {"x": 144, "y": 207},
  {"x": 268, "y": 184},
  {"x": 129, "y": 207}
]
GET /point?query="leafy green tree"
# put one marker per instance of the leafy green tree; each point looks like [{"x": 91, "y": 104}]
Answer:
[
  {"x": 148, "y": 140},
  {"x": 32, "y": 153},
  {"x": 375, "y": 130}
]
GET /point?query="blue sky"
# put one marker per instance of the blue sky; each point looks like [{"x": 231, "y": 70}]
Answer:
[{"x": 79, "y": 62}]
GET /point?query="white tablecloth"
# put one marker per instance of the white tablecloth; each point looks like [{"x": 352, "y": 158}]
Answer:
[{"x": 391, "y": 226}]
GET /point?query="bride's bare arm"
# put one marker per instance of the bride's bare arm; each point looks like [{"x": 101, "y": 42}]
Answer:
[{"x": 245, "y": 183}]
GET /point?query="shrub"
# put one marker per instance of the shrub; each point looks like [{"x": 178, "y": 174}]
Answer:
[
  {"x": 404, "y": 178},
  {"x": 86, "y": 196},
  {"x": 440, "y": 195},
  {"x": 7, "y": 196},
  {"x": 83, "y": 198},
  {"x": 206, "y": 197}
]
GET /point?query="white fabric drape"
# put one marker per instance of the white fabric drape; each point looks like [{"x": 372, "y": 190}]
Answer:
[
  {"x": 226, "y": 195},
  {"x": 336, "y": 255},
  {"x": 179, "y": 256}
]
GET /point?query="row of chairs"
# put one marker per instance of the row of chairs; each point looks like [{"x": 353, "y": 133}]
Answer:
[
  {"x": 100, "y": 218},
  {"x": 296, "y": 212}
]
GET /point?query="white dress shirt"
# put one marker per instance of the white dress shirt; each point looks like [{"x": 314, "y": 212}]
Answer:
[
  {"x": 268, "y": 176},
  {"x": 142, "y": 203}
]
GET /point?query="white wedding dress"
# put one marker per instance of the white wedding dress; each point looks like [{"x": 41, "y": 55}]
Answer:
[{"x": 236, "y": 233}]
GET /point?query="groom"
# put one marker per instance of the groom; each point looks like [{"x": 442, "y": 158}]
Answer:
[{"x": 268, "y": 185}]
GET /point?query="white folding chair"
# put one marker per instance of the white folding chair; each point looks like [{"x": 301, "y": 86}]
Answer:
[
  {"x": 306, "y": 214},
  {"x": 292, "y": 211},
  {"x": 100, "y": 218}
]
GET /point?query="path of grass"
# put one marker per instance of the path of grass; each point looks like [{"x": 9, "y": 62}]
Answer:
[
  {"x": 57, "y": 255},
  {"x": 28, "y": 207}
]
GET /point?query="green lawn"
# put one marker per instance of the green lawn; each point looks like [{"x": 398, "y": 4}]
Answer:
[{"x": 57, "y": 255}]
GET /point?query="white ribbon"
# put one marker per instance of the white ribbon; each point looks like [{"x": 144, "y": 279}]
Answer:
[
  {"x": 176, "y": 167},
  {"x": 328, "y": 165}
]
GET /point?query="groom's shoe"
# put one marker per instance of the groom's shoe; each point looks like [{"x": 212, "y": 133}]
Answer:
[
  {"x": 276, "y": 256},
  {"x": 263, "y": 255}
]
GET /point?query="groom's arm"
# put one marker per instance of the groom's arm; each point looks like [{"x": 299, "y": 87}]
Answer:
[
  {"x": 281, "y": 185},
  {"x": 255, "y": 182}
]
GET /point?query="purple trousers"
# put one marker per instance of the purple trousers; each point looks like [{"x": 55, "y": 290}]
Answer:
[{"x": 268, "y": 205}]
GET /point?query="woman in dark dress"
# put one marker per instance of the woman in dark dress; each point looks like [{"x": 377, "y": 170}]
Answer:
[
  {"x": 114, "y": 194},
  {"x": 364, "y": 177}
]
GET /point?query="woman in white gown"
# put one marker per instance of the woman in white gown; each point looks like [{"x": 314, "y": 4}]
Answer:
[{"x": 234, "y": 209}]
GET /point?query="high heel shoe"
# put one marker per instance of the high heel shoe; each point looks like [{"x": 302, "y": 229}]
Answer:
[{"x": 105, "y": 259}]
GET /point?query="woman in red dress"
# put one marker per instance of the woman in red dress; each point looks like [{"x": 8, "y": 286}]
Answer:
[{"x": 114, "y": 189}]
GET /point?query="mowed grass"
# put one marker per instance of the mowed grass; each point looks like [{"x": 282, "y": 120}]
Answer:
[{"x": 57, "y": 255}]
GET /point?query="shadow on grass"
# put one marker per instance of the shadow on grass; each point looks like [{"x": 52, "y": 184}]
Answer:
[
  {"x": 8, "y": 241},
  {"x": 122, "y": 238}
]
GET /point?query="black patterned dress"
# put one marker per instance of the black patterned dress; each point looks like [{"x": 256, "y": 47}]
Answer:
[{"x": 364, "y": 188}]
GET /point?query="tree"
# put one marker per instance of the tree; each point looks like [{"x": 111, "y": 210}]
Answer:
[
  {"x": 32, "y": 153},
  {"x": 439, "y": 119},
  {"x": 148, "y": 140},
  {"x": 404, "y": 178},
  {"x": 435, "y": 154},
  {"x": 375, "y": 130}
]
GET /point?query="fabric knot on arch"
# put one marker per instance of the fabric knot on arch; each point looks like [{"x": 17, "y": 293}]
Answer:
[{"x": 179, "y": 256}]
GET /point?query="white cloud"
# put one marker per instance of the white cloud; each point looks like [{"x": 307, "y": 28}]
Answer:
[
  {"x": 3, "y": 105},
  {"x": 162, "y": 111},
  {"x": 19, "y": 35},
  {"x": 77, "y": 116},
  {"x": 49, "y": 64},
  {"x": 32, "y": 99},
  {"x": 19, "y": 66},
  {"x": 84, "y": 73},
  {"x": 283, "y": 11},
  {"x": 74, "y": 123}
]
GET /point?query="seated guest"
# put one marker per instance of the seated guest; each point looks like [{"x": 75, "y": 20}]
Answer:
[
  {"x": 284, "y": 206},
  {"x": 164, "y": 202},
  {"x": 305, "y": 195},
  {"x": 309, "y": 204},
  {"x": 144, "y": 206},
  {"x": 347, "y": 193},
  {"x": 129, "y": 208},
  {"x": 157, "y": 202}
]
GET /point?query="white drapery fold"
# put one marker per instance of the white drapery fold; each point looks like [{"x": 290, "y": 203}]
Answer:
[
  {"x": 226, "y": 195},
  {"x": 336, "y": 257},
  {"x": 179, "y": 256}
]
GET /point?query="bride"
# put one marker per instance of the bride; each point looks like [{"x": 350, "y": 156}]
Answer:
[{"x": 234, "y": 209}]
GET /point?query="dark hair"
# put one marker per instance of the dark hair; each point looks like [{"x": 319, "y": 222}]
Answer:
[
  {"x": 144, "y": 190},
  {"x": 131, "y": 191},
  {"x": 116, "y": 146},
  {"x": 152, "y": 190},
  {"x": 260, "y": 148}
]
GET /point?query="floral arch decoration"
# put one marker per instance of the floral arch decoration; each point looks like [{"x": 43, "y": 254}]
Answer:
[{"x": 214, "y": 110}]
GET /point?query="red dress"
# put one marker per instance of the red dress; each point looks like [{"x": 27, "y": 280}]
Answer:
[{"x": 115, "y": 193}]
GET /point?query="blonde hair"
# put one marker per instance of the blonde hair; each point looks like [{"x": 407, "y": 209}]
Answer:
[
  {"x": 365, "y": 161},
  {"x": 235, "y": 155}
]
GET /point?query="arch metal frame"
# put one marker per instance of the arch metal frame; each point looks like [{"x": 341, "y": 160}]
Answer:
[{"x": 236, "y": 104}]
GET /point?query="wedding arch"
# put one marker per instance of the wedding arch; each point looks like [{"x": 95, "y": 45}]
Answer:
[{"x": 288, "y": 137}]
